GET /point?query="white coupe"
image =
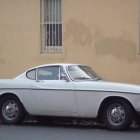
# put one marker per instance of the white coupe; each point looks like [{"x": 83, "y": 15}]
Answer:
[{"x": 68, "y": 90}]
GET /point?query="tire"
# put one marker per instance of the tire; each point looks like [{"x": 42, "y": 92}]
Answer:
[
  {"x": 11, "y": 110},
  {"x": 117, "y": 115},
  {"x": 137, "y": 119}
]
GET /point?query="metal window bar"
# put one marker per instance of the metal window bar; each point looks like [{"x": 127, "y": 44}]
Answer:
[
  {"x": 139, "y": 25},
  {"x": 51, "y": 26}
]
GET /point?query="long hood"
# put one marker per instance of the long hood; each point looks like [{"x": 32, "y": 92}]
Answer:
[{"x": 106, "y": 86}]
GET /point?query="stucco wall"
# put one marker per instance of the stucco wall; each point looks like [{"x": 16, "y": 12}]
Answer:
[{"x": 99, "y": 33}]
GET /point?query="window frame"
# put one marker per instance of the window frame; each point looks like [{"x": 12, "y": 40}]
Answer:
[
  {"x": 29, "y": 72},
  {"x": 55, "y": 31},
  {"x": 59, "y": 78}
]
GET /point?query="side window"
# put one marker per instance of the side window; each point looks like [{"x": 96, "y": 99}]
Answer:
[
  {"x": 48, "y": 73},
  {"x": 31, "y": 74}
]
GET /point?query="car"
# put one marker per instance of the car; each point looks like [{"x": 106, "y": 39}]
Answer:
[{"x": 68, "y": 91}]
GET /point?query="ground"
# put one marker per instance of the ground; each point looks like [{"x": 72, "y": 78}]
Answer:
[{"x": 60, "y": 131}]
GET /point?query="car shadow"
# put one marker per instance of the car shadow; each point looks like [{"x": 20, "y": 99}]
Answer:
[
  {"x": 63, "y": 125},
  {"x": 73, "y": 124}
]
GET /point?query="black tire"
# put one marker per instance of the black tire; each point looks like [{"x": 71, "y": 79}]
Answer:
[
  {"x": 11, "y": 110},
  {"x": 137, "y": 119},
  {"x": 117, "y": 115}
]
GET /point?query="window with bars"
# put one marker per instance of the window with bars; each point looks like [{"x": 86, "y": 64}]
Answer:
[{"x": 51, "y": 26}]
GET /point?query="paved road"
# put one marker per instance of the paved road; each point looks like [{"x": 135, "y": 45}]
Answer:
[{"x": 36, "y": 131}]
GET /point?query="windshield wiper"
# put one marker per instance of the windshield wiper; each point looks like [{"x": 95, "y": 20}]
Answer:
[
  {"x": 97, "y": 78},
  {"x": 82, "y": 78}
]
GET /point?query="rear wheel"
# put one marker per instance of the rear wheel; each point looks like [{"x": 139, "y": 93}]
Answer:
[
  {"x": 118, "y": 115},
  {"x": 11, "y": 110},
  {"x": 137, "y": 119}
]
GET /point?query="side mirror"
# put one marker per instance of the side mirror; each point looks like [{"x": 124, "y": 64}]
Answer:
[{"x": 64, "y": 77}]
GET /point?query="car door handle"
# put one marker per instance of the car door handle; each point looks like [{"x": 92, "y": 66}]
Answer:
[{"x": 40, "y": 81}]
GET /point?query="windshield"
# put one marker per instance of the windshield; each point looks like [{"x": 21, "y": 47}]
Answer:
[{"x": 82, "y": 73}]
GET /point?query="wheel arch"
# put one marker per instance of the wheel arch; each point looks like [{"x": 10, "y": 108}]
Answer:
[
  {"x": 10, "y": 94},
  {"x": 110, "y": 99}
]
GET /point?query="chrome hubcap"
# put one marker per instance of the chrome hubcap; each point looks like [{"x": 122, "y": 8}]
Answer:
[
  {"x": 10, "y": 110},
  {"x": 116, "y": 114}
]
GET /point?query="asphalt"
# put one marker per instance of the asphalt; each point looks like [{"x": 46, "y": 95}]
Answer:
[{"x": 60, "y": 131}]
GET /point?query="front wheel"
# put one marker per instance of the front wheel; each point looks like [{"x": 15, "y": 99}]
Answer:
[
  {"x": 11, "y": 110},
  {"x": 118, "y": 115}
]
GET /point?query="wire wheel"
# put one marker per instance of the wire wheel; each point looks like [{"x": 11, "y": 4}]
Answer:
[
  {"x": 116, "y": 114},
  {"x": 11, "y": 110}
]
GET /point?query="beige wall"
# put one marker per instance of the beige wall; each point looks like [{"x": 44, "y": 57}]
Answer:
[{"x": 100, "y": 33}]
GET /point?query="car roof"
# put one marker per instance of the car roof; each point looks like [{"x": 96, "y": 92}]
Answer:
[{"x": 56, "y": 64}]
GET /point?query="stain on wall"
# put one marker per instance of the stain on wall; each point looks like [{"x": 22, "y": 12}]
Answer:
[
  {"x": 79, "y": 32},
  {"x": 120, "y": 48}
]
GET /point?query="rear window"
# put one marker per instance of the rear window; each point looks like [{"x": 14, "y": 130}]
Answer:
[{"x": 31, "y": 74}]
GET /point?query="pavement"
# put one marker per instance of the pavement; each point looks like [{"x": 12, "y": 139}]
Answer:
[{"x": 32, "y": 130}]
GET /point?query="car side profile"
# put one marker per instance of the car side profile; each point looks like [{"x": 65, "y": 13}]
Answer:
[{"x": 68, "y": 90}]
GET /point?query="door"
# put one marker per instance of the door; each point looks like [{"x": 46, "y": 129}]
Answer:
[{"x": 52, "y": 92}]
